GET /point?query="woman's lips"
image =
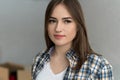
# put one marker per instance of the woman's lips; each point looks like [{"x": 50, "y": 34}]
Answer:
[{"x": 59, "y": 36}]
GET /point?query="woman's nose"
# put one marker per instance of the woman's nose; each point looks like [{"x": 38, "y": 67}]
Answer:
[{"x": 58, "y": 27}]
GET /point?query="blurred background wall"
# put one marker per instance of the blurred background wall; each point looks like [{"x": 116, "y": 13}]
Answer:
[{"x": 22, "y": 29}]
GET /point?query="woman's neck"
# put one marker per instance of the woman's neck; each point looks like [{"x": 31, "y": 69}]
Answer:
[
  {"x": 58, "y": 61},
  {"x": 61, "y": 50}
]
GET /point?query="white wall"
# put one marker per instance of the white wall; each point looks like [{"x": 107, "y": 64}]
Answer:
[
  {"x": 21, "y": 30},
  {"x": 22, "y": 25}
]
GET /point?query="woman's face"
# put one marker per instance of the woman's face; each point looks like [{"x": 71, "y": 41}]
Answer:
[{"x": 61, "y": 27}]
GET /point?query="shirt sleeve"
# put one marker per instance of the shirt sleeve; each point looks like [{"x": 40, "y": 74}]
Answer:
[{"x": 106, "y": 73}]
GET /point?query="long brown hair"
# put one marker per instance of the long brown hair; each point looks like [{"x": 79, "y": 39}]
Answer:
[{"x": 80, "y": 43}]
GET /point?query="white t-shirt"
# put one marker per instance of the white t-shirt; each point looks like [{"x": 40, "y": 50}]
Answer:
[{"x": 47, "y": 74}]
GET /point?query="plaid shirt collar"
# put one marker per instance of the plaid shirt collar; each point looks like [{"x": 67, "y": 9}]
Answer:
[
  {"x": 45, "y": 57},
  {"x": 71, "y": 56}
]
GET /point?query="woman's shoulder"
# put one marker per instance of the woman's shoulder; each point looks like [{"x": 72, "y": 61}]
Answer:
[
  {"x": 43, "y": 54},
  {"x": 38, "y": 56},
  {"x": 99, "y": 67},
  {"x": 98, "y": 61}
]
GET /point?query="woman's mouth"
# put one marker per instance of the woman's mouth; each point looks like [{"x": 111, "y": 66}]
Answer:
[{"x": 59, "y": 36}]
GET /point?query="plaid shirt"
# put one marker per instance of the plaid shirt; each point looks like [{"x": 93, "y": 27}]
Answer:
[{"x": 94, "y": 68}]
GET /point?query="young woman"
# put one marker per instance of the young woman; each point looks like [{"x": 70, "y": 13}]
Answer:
[{"x": 68, "y": 55}]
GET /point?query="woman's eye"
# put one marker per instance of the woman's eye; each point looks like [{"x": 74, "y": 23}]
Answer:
[
  {"x": 67, "y": 21},
  {"x": 52, "y": 21}
]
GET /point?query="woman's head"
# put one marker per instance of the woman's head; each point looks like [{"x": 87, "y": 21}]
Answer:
[
  {"x": 80, "y": 42},
  {"x": 61, "y": 27}
]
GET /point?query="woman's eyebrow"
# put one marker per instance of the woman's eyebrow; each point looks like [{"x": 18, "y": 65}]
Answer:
[
  {"x": 67, "y": 18},
  {"x": 64, "y": 18},
  {"x": 52, "y": 18}
]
